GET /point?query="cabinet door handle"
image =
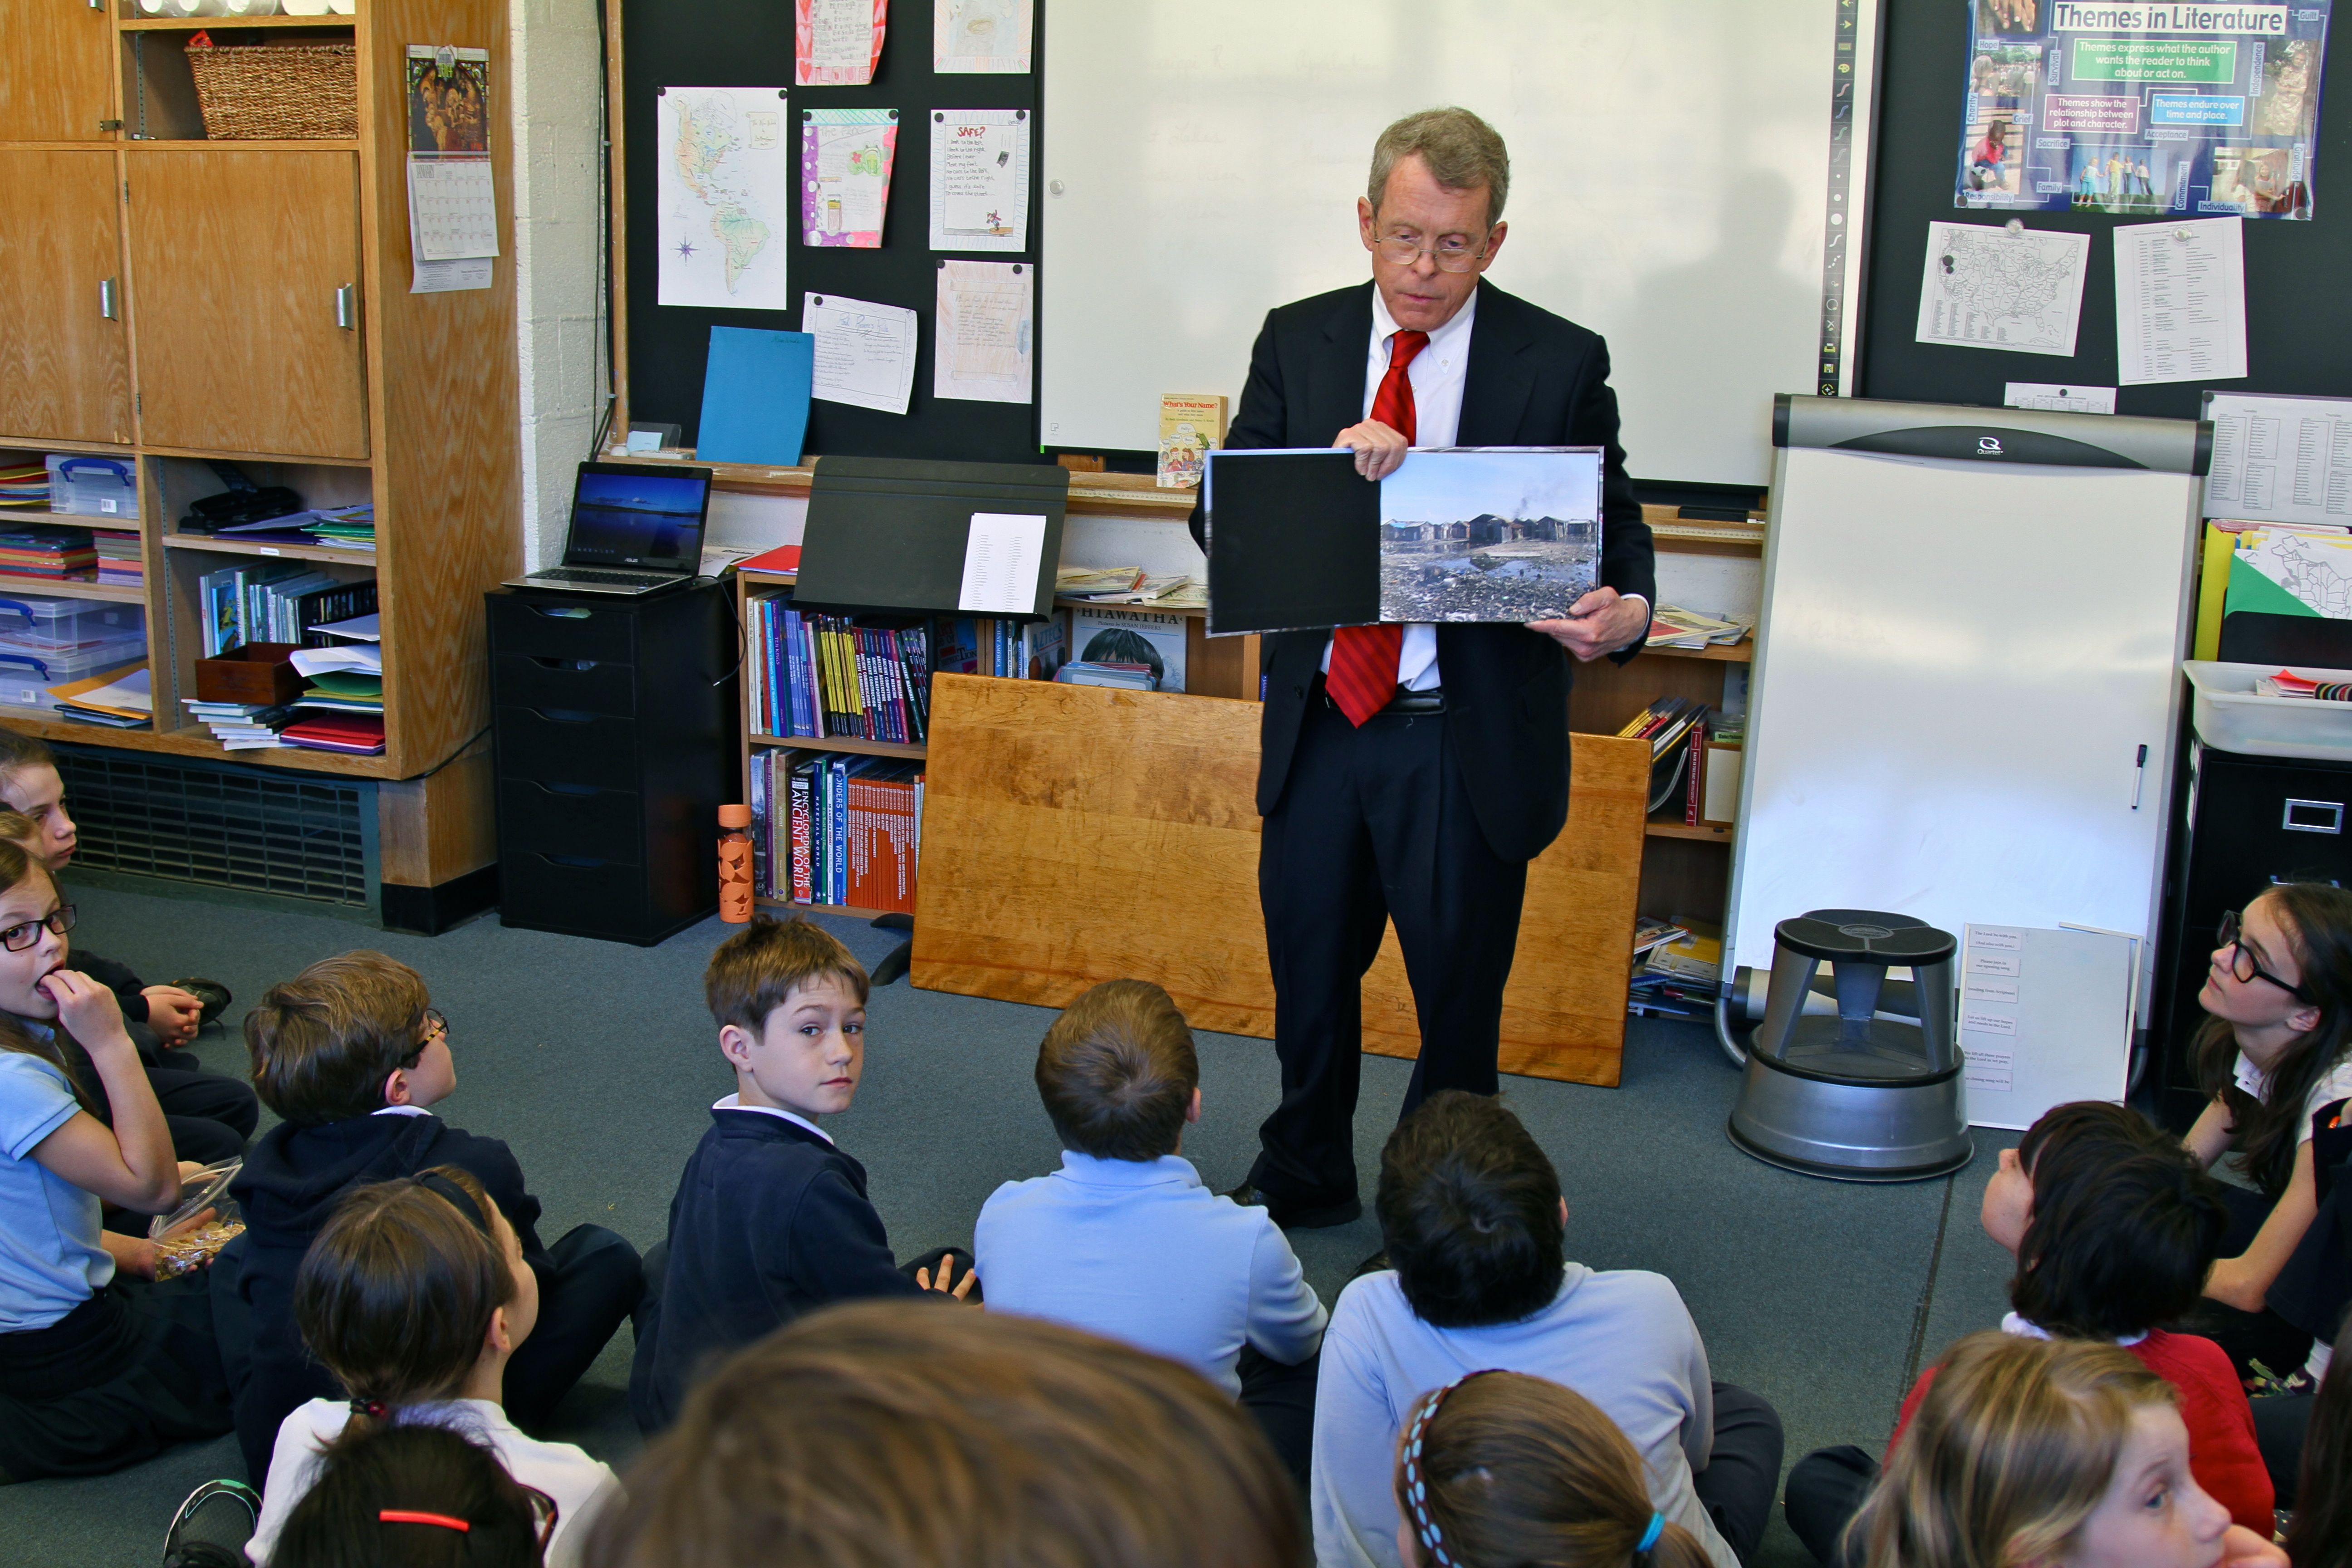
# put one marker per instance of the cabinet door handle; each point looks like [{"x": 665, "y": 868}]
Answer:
[
  {"x": 106, "y": 297},
  {"x": 346, "y": 306}
]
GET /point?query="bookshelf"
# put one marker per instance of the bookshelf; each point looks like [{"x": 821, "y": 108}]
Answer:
[{"x": 257, "y": 310}]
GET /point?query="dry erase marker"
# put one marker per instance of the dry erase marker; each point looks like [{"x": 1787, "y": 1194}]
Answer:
[{"x": 2139, "y": 776}]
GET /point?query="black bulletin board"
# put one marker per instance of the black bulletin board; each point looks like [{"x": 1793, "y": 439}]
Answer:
[
  {"x": 748, "y": 43},
  {"x": 2298, "y": 309}
]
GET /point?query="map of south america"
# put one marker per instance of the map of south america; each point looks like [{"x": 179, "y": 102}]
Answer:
[{"x": 725, "y": 173}]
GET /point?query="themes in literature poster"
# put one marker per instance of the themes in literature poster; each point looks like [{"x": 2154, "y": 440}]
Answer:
[
  {"x": 2201, "y": 110},
  {"x": 846, "y": 158}
]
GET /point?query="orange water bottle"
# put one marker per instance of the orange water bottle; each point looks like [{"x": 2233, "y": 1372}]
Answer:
[{"x": 735, "y": 864}]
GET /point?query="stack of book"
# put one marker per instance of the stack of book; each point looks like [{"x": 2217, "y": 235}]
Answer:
[
  {"x": 1130, "y": 585},
  {"x": 343, "y": 691},
  {"x": 46, "y": 549},
  {"x": 341, "y": 527},
  {"x": 24, "y": 484},
  {"x": 120, "y": 558},
  {"x": 242, "y": 726},
  {"x": 857, "y": 677},
  {"x": 275, "y": 601},
  {"x": 1679, "y": 979},
  {"x": 1101, "y": 673},
  {"x": 1671, "y": 625},
  {"x": 1014, "y": 650},
  {"x": 835, "y": 829},
  {"x": 1672, "y": 725},
  {"x": 360, "y": 734}
]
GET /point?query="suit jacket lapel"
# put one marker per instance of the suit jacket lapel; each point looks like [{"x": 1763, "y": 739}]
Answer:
[
  {"x": 1497, "y": 380},
  {"x": 1335, "y": 397}
]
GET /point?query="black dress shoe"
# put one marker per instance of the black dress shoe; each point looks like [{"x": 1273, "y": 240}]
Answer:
[
  {"x": 1301, "y": 1218},
  {"x": 1378, "y": 1263}
]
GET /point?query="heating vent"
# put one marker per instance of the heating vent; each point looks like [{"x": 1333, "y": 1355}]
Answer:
[{"x": 300, "y": 836}]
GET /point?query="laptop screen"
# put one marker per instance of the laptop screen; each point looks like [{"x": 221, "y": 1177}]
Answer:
[{"x": 625, "y": 515}]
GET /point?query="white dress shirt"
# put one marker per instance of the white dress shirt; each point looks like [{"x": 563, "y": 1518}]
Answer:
[
  {"x": 1435, "y": 375},
  {"x": 735, "y": 1102}
]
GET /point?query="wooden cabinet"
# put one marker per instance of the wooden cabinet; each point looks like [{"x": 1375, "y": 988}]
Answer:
[
  {"x": 57, "y": 72},
  {"x": 248, "y": 314},
  {"x": 65, "y": 368}
]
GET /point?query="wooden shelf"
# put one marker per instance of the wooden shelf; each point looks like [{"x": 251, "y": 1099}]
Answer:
[
  {"x": 195, "y": 742},
  {"x": 1199, "y": 612},
  {"x": 1126, "y": 495},
  {"x": 851, "y": 909},
  {"x": 72, "y": 520},
  {"x": 1741, "y": 652},
  {"x": 205, "y": 541},
  {"x": 842, "y": 743},
  {"x": 1657, "y": 829},
  {"x": 227, "y": 24},
  {"x": 42, "y": 444},
  {"x": 118, "y": 592},
  {"x": 211, "y": 454},
  {"x": 240, "y": 145}
]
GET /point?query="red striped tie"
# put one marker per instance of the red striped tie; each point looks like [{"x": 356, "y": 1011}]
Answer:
[{"x": 1363, "y": 675}]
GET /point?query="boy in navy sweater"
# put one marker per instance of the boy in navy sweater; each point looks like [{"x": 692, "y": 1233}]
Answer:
[
  {"x": 770, "y": 1220},
  {"x": 348, "y": 1053}
]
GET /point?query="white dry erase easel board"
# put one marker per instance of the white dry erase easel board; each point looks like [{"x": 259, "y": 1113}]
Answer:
[
  {"x": 1687, "y": 179},
  {"x": 2046, "y": 1017},
  {"x": 1958, "y": 662}
]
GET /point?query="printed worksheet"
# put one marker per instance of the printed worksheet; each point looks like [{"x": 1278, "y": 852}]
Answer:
[
  {"x": 979, "y": 179},
  {"x": 865, "y": 352},
  {"x": 982, "y": 35},
  {"x": 2180, "y": 302},
  {"x": 983, "y": 350},
  {"x": 2280, "y": 459},
  {"x": 723, "y": 197},
  {"x": 1991, "y": 287}
]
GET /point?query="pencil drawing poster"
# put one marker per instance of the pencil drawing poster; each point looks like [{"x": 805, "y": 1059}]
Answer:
[
  {"x": 1488, "y": 535},
  {"x": 727, "y": 168}
]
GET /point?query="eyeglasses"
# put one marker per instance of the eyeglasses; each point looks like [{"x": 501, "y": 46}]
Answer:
[
  {"x": 2242, "y": 964},
  {"x": 435, "y": 1025},
  {"x": 544, "y": 1514},
  {"x": 17, "y": 938},
  {"x": 1452, "y": 252}
]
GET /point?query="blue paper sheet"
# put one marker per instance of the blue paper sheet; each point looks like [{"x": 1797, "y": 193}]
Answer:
[{"x": 755, "y": 396}]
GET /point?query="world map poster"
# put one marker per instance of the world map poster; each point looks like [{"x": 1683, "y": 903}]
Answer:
[{"x": 726, "y": 163}]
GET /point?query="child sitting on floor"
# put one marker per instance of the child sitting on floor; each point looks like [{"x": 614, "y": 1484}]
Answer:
[
  {"x": 1499, "y": 1469},
  {"x": 419, "y": 1497},
  {"x": 100, "y": 1366},
  {"x": 210, "y": 1114},
  {"x": 770, "y": 1220},
  {"x": 2113, "y": 1226},
  {"x": 1124, "y": 1240},
  {"x": 349, "y": 1053},
  {"x": 415, "y": 1296},
  {"x": 1472, "y": 1217},
  {"x": 2321, "y": 1535},
  {"x": 2057, "y": 1453}
]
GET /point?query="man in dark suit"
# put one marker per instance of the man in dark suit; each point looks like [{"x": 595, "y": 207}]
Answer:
[{"x": 1411, "y": 772}]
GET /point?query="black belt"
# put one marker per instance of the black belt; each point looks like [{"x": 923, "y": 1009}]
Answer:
[{"x": 1412, "y": 704}]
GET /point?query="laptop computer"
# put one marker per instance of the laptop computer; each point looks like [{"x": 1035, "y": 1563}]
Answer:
[{"x": 636, "y": 529}]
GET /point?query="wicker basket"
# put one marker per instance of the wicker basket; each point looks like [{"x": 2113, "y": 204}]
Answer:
[{"x": 277, "y": 91}]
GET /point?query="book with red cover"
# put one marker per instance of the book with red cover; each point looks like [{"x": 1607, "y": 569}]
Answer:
[
  {"x": 783, "y": 558},
  {"x": 331, "y": 731},
  {"x": 1691, "y": 791}
]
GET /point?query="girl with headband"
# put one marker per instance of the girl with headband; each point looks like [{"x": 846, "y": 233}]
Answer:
[
  {"x": 1500, "y": 1468},
  {"x": 414, "y": 1296}
]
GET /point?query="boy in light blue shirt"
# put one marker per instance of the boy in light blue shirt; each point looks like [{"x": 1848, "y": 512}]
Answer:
[{"x": 1124, "y": 1241}]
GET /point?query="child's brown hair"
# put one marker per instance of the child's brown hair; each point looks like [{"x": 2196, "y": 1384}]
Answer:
[
  {"x": 1117, "y": 1072},
  {"x": 395, "y": 1295},
  {"x": 754, "y": 970},
  {"x": 899, "y": 1431},
  {"x": 323, "y": 1043}
]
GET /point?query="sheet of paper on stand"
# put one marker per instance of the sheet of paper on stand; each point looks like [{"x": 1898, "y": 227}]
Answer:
[
  {"x": 984, "y": 331},
  {"x": 979, "y": 179},
  {"x": 2180, "y": 301},
  {"x": 999, "y": 562},
  {"x": 1988, "y": 287},
  {"x": 864, "y": 353},
  {"x": 360, "y": 657}
]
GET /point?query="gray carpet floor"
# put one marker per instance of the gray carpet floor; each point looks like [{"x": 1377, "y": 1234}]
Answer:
[{"x": 597, "y": 1063}]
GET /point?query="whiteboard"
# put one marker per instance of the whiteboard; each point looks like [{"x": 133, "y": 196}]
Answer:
[
  {"x": 1671, "y": 184},
  {"x": 1957, "y": 665}
]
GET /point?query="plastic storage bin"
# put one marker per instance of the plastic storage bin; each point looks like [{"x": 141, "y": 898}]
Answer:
[
  {"x": 32, "y": 623},
  {"x": 2231, "y": 715},
  {"x": 26, "y": 679},
  {"x": 92, "y": 487}
]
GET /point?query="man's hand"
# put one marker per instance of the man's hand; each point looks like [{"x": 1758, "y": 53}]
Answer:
[
  {"x": 1380, "y": 451},
  {"x": 1601, "y": 622},
  {"x": 172, "y": 1014},
  {"x": 946, "y": 1283}
]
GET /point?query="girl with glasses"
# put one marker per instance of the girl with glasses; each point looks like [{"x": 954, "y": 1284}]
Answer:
[
  {"x": 2273, "y": 1053},
  {"x": 100, "y": 1366}
]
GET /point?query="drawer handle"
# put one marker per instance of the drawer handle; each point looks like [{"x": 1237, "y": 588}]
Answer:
[
  {"x": 577, "y": 862},
  {"x": 560, "y": 611},
  {"x": 2314, "y": 817},
  {"x": 566, "y": 715},
  {"x": 565, "y": 663},
  {"x": 575, "y": 790}
]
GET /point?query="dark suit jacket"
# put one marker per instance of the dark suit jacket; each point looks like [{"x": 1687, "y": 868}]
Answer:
[
  {"x": 769, "y": 1221},
  {"x": 1533, "y": 380}
]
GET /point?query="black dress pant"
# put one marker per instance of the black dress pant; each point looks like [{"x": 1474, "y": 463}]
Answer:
[
  {"x": 1743, "y": 1469},
  {"x": 1280, "y": 1397},
  {"x": 1375, "y": 825},
  {"x": 1826, "y": 1489}
]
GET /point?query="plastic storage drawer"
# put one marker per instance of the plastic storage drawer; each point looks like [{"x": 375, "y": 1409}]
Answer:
[
  {"x": 32, "y": 625},
  {"x": 25, "y": 678},
  {"x": 92, "y": 487}
]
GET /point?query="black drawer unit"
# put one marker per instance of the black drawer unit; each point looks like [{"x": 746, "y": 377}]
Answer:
[
  {"x": 614, "y": 721},
  {"x": 2248, "y": 822}
]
